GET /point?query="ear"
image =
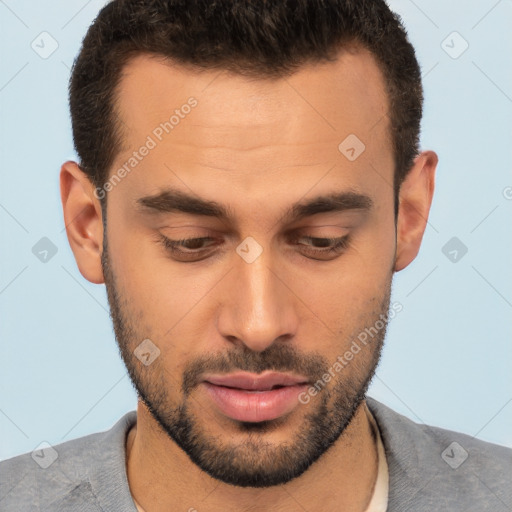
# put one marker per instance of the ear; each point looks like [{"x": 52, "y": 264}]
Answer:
[
  {"x": 83, "y": 220},
  {"x": 415, "y": 198}
]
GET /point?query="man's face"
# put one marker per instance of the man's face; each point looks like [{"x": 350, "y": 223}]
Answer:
[{"x": 278, "y": 301}]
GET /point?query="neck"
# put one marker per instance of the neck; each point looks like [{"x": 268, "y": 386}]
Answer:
[{"x": 162, "y": 477}]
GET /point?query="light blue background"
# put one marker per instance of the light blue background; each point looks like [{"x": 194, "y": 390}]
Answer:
[{"x": 448, "y": 357}]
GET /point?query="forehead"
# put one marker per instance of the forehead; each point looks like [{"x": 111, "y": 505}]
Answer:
[
  {"x": 248, "y": 129},
  {"x": 346, "y": 93}
]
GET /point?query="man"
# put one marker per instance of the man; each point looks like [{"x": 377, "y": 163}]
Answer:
[{"x": 249, "y": 182}]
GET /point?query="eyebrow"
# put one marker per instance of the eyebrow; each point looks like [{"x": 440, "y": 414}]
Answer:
[{"x": 176, "y": 201}]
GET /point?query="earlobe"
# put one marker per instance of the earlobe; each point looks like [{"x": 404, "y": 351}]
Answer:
[
  {"x": 415, "y": 199},
  {"x": 83, "y": 220}
]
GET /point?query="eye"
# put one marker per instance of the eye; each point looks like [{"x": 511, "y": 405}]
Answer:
[
  {"x": 322, "y": 248},
  {"x": 196, "y": 249},
  {"x": 187, "y": 248}
]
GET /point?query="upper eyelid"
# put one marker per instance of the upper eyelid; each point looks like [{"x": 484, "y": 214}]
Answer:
[
  {"x": 287, "y": 235},
  {"x": 179, "y": 242},
  {"x": 298, "y": 231}
]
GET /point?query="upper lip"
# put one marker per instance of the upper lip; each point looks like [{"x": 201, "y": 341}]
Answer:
[{"x": 254, "y": 381}]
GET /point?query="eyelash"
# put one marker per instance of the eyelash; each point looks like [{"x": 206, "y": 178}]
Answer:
[{"x": 337, "y": 247}]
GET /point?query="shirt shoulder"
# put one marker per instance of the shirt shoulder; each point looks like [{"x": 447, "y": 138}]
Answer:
[
  {"x": 431, "y": 468},
  {"x": 69, "y": 476}
]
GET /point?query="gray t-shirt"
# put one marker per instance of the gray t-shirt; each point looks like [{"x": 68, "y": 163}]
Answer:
[{"x": 430, "y": 469}]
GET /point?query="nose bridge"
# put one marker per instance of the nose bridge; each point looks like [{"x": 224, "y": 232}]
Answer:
[{"x": 259, "y": 308}]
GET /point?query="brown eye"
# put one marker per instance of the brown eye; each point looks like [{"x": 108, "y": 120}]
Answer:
[
  {"x": 196, "y": 249},
  {"x": 191, "y": 249},
  {"x": 322, "y": 247}
]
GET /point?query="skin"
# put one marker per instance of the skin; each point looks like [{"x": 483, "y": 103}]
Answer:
[{"x": 244, "y": 139}]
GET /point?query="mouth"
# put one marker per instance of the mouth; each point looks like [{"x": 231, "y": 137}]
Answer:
[{"x": 254, "y": 397}]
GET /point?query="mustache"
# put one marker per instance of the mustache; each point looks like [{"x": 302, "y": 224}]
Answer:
[{"x": 279, "y": 358}]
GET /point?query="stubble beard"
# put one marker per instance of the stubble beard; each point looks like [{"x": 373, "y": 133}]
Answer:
[{"x": 254, "y": 462}]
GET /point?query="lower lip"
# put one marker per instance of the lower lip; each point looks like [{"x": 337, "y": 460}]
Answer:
[{"x": 254, "y": 406}]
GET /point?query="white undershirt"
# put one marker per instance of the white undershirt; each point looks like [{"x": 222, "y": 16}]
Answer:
[{"x": 379, "y": 501}]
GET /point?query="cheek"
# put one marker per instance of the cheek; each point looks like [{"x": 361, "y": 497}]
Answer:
[
  {"x": 138, "y": 273},
  {"x": 356, "y": 282},
  {"x": 165, "y": 300}
]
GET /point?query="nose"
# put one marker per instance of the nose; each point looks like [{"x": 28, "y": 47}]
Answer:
[{"x": 258, "y": 307}]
